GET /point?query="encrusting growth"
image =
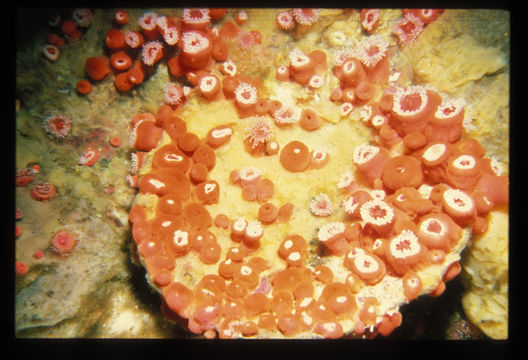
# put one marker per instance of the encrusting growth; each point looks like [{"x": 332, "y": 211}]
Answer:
[{"x": 397, "y": 216}]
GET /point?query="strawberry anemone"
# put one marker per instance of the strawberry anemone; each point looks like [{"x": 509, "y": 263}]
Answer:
[
  {"x": 370, "y": 19},
  {"x": 196, "y": 49},
  {"x": 408, "y": 29},
  {"x": 373, "y": 54},
  {"x": 370, "y": 161}
]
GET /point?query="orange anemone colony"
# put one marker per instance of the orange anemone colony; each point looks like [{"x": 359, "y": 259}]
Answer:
[{"x": 407, "y": 211}]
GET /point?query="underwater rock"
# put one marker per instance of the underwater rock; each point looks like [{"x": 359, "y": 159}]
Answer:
[{"x": 486, "y": 263}]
